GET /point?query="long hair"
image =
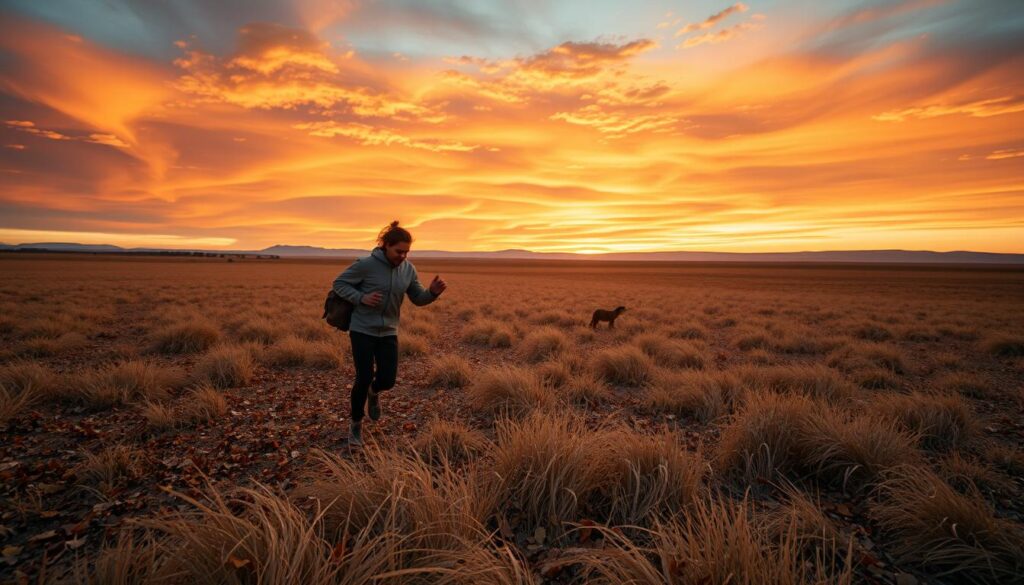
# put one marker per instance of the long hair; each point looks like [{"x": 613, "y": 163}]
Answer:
[{"x": 392, "y": 234}]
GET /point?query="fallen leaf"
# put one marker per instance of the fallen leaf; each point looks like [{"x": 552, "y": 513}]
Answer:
[
  {"x": 237, "y": 562},
  {"x": 11, "y": 551},
  {"x": 539, "y": 535}
]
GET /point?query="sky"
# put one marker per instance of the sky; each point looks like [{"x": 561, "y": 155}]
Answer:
[{"x": 570, "y": 126}]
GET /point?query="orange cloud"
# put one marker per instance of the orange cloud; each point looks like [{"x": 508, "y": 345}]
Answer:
[
  {"x": 30, "y": 127},
  {"x": 369, "y": 135},
  {"x": 721, "y": 36},
  {"x": 277, "y": 67},
  {"x": 979, "y": 108},
  {"x": 713, "y": 19},
  {"x": 99, "y": 88},
  {"x": 1005, "y": 153}
]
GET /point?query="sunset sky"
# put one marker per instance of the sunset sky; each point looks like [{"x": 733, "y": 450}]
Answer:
[{"x": 579, "y": 126}]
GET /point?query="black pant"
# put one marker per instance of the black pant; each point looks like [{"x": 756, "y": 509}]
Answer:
[{"x": 367, "y": 349}]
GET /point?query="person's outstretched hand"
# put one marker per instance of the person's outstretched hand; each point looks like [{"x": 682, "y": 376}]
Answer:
[{"x": 437, "y": 286}]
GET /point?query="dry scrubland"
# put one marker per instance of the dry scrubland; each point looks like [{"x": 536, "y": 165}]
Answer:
[{"x": 183, "y": 421}]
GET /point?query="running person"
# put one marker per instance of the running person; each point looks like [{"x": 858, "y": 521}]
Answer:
[{"x": 376, "y": 285}]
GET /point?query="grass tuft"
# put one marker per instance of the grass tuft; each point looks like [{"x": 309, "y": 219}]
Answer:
[{"x": 509, "y": 390}]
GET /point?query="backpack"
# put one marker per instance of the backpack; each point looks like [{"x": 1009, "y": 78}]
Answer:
[{"x": 337, "y": 311}]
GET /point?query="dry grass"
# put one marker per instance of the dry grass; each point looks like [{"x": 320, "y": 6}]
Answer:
[
  {"x": 969, "y": 475},
  {"x": 965, "y": 383},
  {"x": 875, "y": 378},
  {"x": 317, "y": 330},
  {"x": 396, "y": 522},
  {"x": 747, "y": 340},
  {"x": 762, "y": 441},
  {"x": 590, "y": 419},
  {"x": 706, "y": 396},
  {"x": 941, "y": 421},
  {"x": 585, "y": 390},
  {"x": 802, "y": 340},
  {"x": 292, "y": 351},
  {"x": 23, "y": 384},
  {"x": 125, "y": 562},
  {"x": 650, "y": 477},
  {"x": 1010, "y": 459},
  {"x": 859, "y": 355},
  {"x": 802, "y": 519},
  {"x": 626, "y": 365},
  {"x": 15, "y": 400},
  {"x": 112, "y": 468},
  {"x": 412, "y": 345},
  {"x": 43, "y": 347},
  {"x": 436, "y": 508},
  {"x": 509, "y": 390},
  {"x": 159, "y": 416},
  {"x": 547, "y": 468},
  {"x": 488, "y": 332},
  {"x": 259, "y": 329},
  {"x": 190, "y": 337},
  {"x": 717, "y": 541},
  {"x": 226, "y": 366},
  {"x": 1003, "y": 345},
  {"x": 670, "y": 352},
  {"x": 21, "y": 376},
  {"x": 450, "y": 441},
  {"x": 558, "y": 318},
  {"x": 689, "y": 331},
  {"x": 815, "y": 381},
  {"x": 945, "y": 533},
  {"x": 777, "y": 436},
  {"x": 420, "y": 326},
  {"x": 449, "y": 371},
  {"x": 873, "y": 332},
  {"x": 128, "y": 382},
  {"x": 205, "y": 404},
  {"x": 544, "y": 343},
  {"x": 555, "y": 374},
  {"x": 852, "y": 451}
]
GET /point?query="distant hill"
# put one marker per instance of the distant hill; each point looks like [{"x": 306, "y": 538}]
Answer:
[
  {"x": 860, "y": 256},
  {"x": 855, "y": 256},
  {"x": 308, "y": 251}
]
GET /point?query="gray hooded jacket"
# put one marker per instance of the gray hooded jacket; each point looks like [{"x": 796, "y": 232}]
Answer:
[{"x": 375, "y": 273}]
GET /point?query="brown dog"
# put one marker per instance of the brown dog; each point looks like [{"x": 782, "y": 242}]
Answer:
[{"x": 609, "y": 316}]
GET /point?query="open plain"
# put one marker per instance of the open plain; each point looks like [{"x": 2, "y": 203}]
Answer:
[{"x": 184, "y": 420}]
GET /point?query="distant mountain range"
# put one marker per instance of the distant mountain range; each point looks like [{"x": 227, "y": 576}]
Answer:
[{"x": 859, "y": 256}]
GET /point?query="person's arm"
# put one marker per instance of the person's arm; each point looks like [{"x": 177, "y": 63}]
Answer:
[
  {"x": 346, "y": 283},
  {"x": 417, "y": 293}
]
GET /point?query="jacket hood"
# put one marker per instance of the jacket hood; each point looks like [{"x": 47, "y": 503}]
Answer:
[{"x": 379, "y": 254}]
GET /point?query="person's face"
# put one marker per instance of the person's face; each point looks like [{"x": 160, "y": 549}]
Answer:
[{"x": 396, "y": 254}]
